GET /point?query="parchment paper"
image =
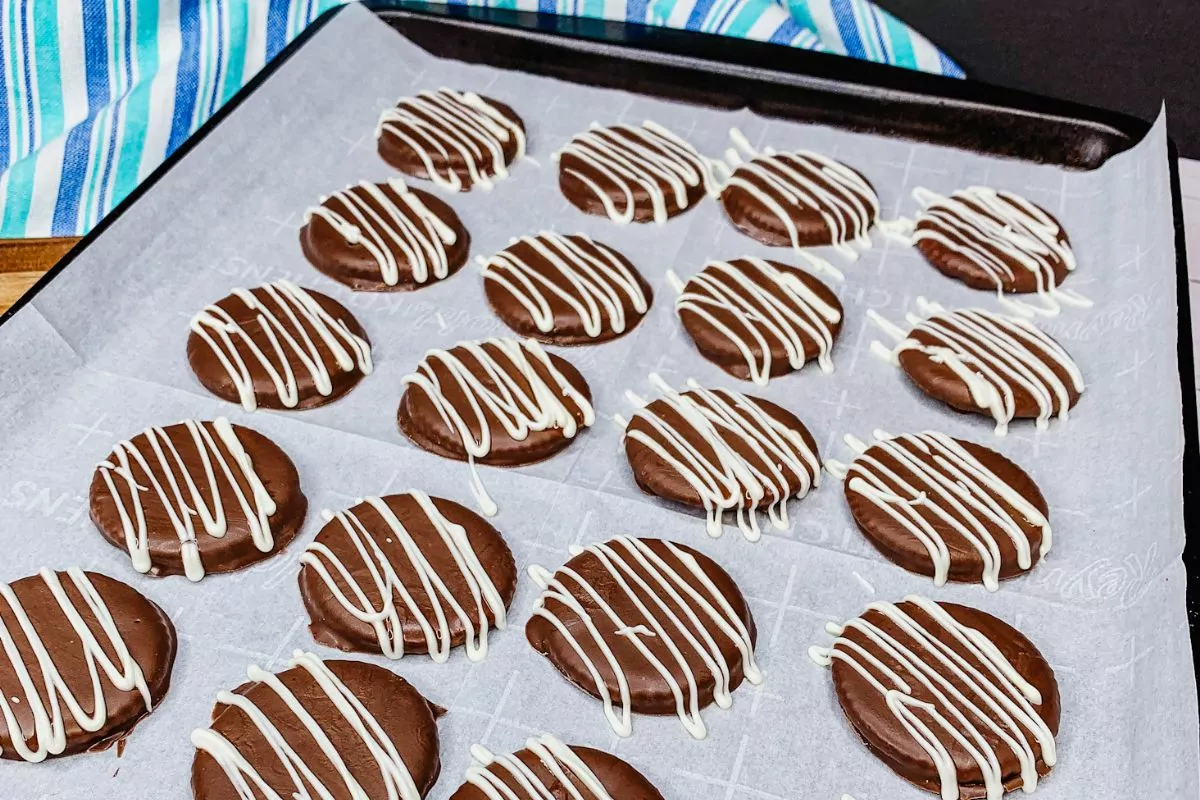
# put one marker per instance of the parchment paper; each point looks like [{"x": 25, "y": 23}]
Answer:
[{"x": 100, "y": 355}]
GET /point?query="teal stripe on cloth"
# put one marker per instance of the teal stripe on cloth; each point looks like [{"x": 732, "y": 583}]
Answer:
[
  {"x": 144, "y": 63},
  {"x": 741, "y": 24},
  {"x": 18, "y": 193},
  {"x": 236, "y": 57},
  {"x": 94, "y": 94},
  {"x": 902, "y": 51},
  {"x": 45, "y": 36}
]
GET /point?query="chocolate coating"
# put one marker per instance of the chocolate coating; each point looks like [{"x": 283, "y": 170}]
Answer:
[
  {"x": 353, "y": 264},
  {"x": 901, "y": 547},
  {"x": 543, "y": 257},
  {"x": 146, "y": 630},
  {"x": 334, "y": 626},
  {"x": 649, "y": 693},
  {"x": 723, "y": 350},
  {"x": 234, "y": 550},
  {"x": 407, "y": 719},
  {"x": 633, "y": 169},
  {"x": 654, "y": 475},
  {"x": 961, "y": 261},
  {"x": 810, "y": 215},
  {"x": 420, "y": 421},
  {"x": 885, "y": 736},
  {"x": 455, "y": 143},
  {"x": 619, "y": 779},
  {"x": 937, "y": 379},
  {"x": 214, "y": 376}
]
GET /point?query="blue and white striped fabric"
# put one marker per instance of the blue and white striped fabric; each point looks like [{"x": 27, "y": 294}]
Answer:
[{"x": 96, "y": 93}]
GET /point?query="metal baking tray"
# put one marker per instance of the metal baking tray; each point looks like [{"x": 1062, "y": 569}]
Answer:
[{"x": 777, "y": 82}]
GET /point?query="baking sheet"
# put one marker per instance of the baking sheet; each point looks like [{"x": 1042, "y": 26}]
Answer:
[{"x": 99, "y": 355}]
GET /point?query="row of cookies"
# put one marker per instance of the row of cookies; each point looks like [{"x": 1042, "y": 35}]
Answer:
[
  {"x": 341, "y": 728},
  {"x": 507, "y": 402},
  {"x": 388, "y": 237},
  {"x": 644, "y": 625}
]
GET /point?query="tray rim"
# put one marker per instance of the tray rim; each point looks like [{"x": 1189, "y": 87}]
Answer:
[
  {"x": 811, "y": 69},
  {"x": 889, "y": 79}
]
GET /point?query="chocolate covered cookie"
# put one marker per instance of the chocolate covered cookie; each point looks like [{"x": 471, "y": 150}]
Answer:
[
  {"x": 458, "y": 140},
  {"x": 565, "y": 289},
  {"x": 722, "y": 451},
  {"x": 548, "y": 768},
  {"x": 986, "y": 363},
  {"x": 197, "y": 497},
  {"x": 319, "y": 729},
  {"x": 946, "y": 508},
  {"x": 407, "y": 573},
  {"x": 278, "y": 346},
  {"x": 384, "y": 237},
  {"x": 799, "y": 199},
  {"x": 998, "y": 241},
  {"x": 503, "y": 402},
  {"x": 759, "y": 319},
  {"x": 633, "y": 174},
  {"x": 646, "y": 626},
  {"x": 952, "y": 699},
  {"x": 85, "y": 658}
]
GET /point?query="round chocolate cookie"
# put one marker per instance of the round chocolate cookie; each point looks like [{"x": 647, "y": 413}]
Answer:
[
  {"x": 799, "y": 199},
  {"x": 633, "y": 174},
  {"x": 278, "y": 346},
  {"x": 197, "y": 497},
  {"x": 406, "y": 573},
  {"x": 85, "y": 659},
  {"x": 548, "y": 768},
  {"x": 956, "y": 675},
  {"x": 998, "y": 241},
  {"x": 458, "y": 140},
  {"x": 645, "y": 625},
  {"x": 947, "y": 508},
  {"x": 384, "y": 237},
  {"x": 502, "y": 402},
  {"x": 565, "y": 290},
  {"x": 378, "y": 735},
  {"x": 986, "y": 363},
  {"x": 722, "y": 451},
  {"x": 759, "y": 319},
  {"x": 465, "y": 403}
]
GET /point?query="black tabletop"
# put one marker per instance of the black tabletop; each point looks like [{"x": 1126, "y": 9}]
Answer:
[{"x": 1124, "y": 55}]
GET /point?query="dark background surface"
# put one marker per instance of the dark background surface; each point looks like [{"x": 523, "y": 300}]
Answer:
[{"x": 1124, "y": 55}]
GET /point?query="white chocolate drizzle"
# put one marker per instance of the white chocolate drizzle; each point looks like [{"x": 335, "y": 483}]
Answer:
[
  {"x": 993, "y": 355},
  {"x": 387, "y": 585},
  {"x": 519, "y": 397},
  {"x": 769, "y": 304},
  {"x": 938, "y": 483},
  {"x": 642, "y": 158},
  {"x": 803, "y": 179},
  {"x": 437, "y": 124},
  {"x": 567, "y": 770},
  {"x": 396, "y": 231},
  {"x": 285, "y": 314},
  {"x": 587, "y": 276},
  {"x": 122, "y": 672},
  {"x": 991, "y": 229},
  {"x": 706, "y": 615},
  {"x": 727, "y": 481},
  {"x": 354, "y": 718},
  {"x": 224, "y": 463},
  {"x": 998, "y": 702}
]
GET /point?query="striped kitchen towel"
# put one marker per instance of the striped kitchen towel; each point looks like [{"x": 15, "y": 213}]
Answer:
[{"x": 96, "y": 93}]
